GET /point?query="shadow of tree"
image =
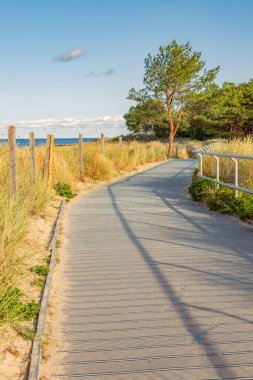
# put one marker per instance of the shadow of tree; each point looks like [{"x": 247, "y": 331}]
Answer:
[{"x": 166, "y": 187}]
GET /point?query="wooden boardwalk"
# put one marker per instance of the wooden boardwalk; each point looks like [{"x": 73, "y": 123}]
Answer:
[{"x": 155, "y": 286}]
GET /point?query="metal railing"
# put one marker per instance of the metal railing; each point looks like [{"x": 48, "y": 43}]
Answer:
[
  {"x": 216, "y": 156},
  {"x": 209, "y": 147}
]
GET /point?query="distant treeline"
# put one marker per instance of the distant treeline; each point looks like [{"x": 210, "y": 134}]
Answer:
[{"x": 217, "y": 111}]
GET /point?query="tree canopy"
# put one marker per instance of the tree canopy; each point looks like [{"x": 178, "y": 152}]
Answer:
[
  {"x": 148, "y": 117},
  {"x": 217, "y": 111},
  {"x": 180, "y": 93},
  {"x": 222, "y": 111},
  {"x": 173, "y": 75}
]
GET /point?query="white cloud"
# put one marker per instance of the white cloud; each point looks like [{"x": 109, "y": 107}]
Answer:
[
  {"x": 68, "y": 127},
  {"x": 68, "y": 122},
  {"x": 93, "y": 74},
  {"x": 69, "y": 55}
]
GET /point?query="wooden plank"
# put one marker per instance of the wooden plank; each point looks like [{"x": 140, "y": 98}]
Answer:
[
  {"x": 32, "y": 155},
  {"x": 150, "y": 287},
  {"x": 13, "y": 160}
]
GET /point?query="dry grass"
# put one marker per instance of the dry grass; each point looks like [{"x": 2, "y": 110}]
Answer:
[
  {"x": 33, "y": 198},
  {"x": 236, "y": 146},
  {"x": 96, "y": 167},
  {"x": 185, "y": 150}
]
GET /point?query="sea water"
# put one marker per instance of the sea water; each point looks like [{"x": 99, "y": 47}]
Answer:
[{"x": 57, "y": 141}]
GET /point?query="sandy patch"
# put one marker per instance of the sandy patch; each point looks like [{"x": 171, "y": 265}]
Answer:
[
  {"x": 53, "y": 337},
  {"x": 15, "y": 347}
]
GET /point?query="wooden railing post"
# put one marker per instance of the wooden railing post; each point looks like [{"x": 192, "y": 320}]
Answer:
[
  {"x": 81, "y": 155},
  {"x": 32, "y": 155},
  {"x": 48, "y": 158},
  {"x": 13, "y": 161},
  {"x": 102, "y": 144}
]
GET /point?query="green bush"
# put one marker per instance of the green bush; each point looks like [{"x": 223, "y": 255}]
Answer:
[
  {"x": 12, "y": 308},
  {"x": 64, "y": 190},
  {"x": 222, "y": 200},
  {"x": 40, "y": 270},
  {"x": 244, "y": 206},
  {"x": 200, "y": 188},
  {"x": 38, "y": 282}
]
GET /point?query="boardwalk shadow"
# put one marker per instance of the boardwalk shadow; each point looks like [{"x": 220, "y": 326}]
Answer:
[{"x": 175, "y": 198}]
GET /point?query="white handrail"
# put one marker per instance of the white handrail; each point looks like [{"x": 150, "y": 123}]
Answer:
[
  {"x": 233, "y": 157},
  {"x": 224, "y": 155}
]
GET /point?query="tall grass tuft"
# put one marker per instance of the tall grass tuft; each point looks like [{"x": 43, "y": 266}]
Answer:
[{"x": 236, "y": 146}]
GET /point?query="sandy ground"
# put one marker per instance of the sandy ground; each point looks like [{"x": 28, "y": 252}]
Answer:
[
  {"x": 52, "y": 338},
  {"x": 14, "y": 349}
]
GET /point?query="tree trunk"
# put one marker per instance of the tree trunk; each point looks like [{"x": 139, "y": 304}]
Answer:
[
  {"x": 171, "y": 144},
  {"x": 171, "y": 135}
]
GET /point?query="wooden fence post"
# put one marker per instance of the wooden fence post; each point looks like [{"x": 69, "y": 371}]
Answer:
[
  {"x": 48, "y": 158},
  {"x": 32, "y": 155},
  {"x": 13, "y": 160},
  {"x": 81, "y": 155},
  {"x": 102, "y": 144}
]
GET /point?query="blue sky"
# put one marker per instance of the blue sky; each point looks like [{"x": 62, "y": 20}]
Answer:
[{"x": 67, "y": 65}]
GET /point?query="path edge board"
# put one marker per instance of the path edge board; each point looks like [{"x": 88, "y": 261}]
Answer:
[{"x": 34, "y": 367}]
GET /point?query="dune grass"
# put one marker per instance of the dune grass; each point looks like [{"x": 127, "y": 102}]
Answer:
[
  {"x": 33, "y": 198},
  {"x": 235, "y": 146}
]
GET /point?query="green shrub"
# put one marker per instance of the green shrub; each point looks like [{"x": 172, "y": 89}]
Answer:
[
  {"x": 223, "y": 200},
  {"x": 29, "y": 310},
  {"x": 64, "y": 190},
  {"x": 244, "y": 206},
  {"x": 38, "y": 282},
  {"x": 13, "y": 308},
  {"x": 40, "y": 270},
  {"x": 200, "y": 188}
]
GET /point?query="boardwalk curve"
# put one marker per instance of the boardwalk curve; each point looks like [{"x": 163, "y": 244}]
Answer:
[{"x": 155, "y": 286}]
